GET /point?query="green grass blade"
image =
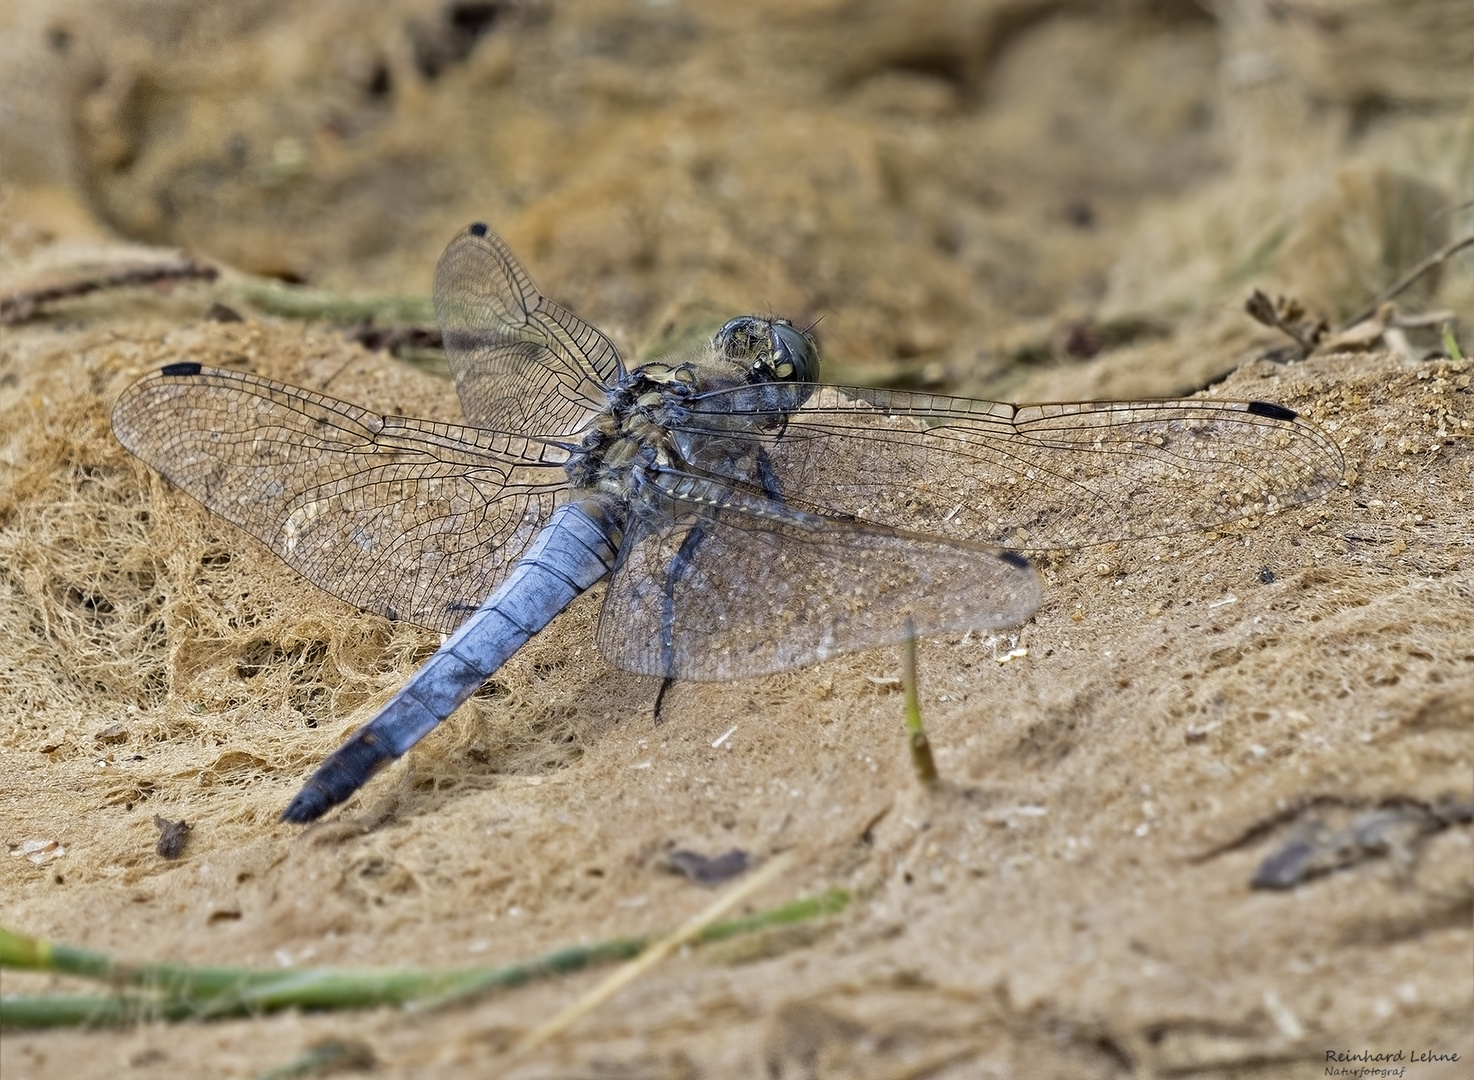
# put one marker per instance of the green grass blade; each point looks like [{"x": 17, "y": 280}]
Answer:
[
  {"x": 814, "y": 907},
  {"x": 1451, "y": 343}
]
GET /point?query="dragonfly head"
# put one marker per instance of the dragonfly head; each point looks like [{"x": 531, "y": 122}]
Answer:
[{"x": 771, "y": 350}]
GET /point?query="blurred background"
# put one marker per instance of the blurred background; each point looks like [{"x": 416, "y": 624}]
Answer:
[
  {"x": 1019, "y": 199},
  {"x": 1002, "y": 197}
]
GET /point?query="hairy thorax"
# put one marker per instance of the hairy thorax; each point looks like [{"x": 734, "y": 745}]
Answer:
[{"x": 758, "y": 359}]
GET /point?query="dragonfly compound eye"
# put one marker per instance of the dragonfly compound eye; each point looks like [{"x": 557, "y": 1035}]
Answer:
[
  {"x": 772, "y": 350},
  {"x": 743, "y": 338},
  {"x": 795, "y": 359}
]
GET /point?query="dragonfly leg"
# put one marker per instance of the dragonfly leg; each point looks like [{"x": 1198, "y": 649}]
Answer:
[
  {"x": 677, "y": 569},
  {"x": 673, "y": 574},
  {"x": 665, "y": 684}
]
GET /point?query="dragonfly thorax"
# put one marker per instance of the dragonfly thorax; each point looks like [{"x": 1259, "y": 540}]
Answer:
[
  {"x": 759, "y": 359},
  {"x": 632, "y": 434}
]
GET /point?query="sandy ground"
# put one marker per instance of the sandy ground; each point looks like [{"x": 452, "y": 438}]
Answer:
[{"x": 1076, "y": 900}]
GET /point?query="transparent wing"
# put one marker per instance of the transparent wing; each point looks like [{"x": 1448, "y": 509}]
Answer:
[
  {"x": 1032, "y": 477},
  {"x": 406, "y": 518},
  {"x": 714, "y": 583},
  {"x": 521, "y": 362}
]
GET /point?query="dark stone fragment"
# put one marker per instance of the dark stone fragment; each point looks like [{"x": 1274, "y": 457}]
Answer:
[
  {"x": 218, "y": 312},
  {"x": 172, "y": 835},
  {"x": 705, "y": 870}
]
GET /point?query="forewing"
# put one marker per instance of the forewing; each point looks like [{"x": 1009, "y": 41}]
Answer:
[
  {"x": 521, "y": 362},
  {"x": 406, "y": 518},
  {"x": 765, "y": 587},
  {"x": 1032, "y": 477}
]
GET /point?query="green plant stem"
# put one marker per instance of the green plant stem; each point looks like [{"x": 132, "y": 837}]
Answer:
[
  {"x": 177, "y": 991},
  {"x": 921, "y": 755},
  {"x": 296, "y": 302}
]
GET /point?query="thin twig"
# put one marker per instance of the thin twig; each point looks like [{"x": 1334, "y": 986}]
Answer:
[
  {"x": 656, "y": 953},
  {"x": 25, "y": 303},
  {"x": 1438, "y": 257},
  {"x": 393, "y": 338}
]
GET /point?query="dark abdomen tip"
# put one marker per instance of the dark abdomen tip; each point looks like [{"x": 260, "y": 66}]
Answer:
[
  {"x": 342, "y": 773},
  {"x": 309, "y": 805}
]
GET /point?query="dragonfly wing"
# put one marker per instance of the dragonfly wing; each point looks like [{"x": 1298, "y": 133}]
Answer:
[
  {"x": 406, "y": 518},
  {"x": 521, "y": 362},
  {"x": 716, "y": 583},
  {"x": 1033, "y": 477}
]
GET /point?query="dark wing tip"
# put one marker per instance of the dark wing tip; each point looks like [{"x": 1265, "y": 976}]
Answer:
[
  {"x": 1272, "y": 411},
  {"x": 478, "y": 229},
  {"x": 1014, "y": 559},
  {"x": 188, "y": 367}
]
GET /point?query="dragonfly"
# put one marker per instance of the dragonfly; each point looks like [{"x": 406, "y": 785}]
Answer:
[{"x": 749, "y": 518}]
